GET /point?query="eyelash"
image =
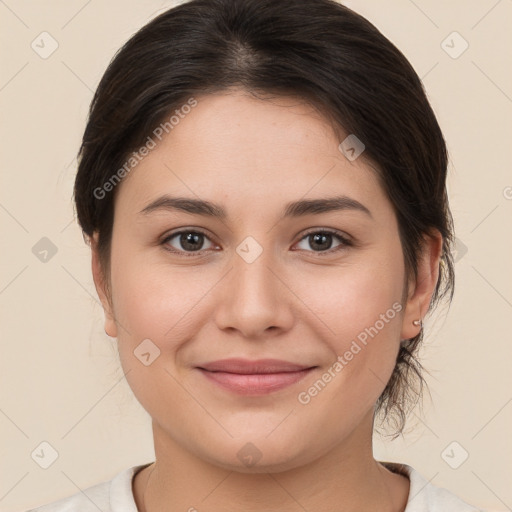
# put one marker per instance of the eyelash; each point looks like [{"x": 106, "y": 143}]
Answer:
[{"x": 345, "y": 242}]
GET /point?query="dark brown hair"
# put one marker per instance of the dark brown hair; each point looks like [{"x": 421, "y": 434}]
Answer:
[{"x": 317, "y": 50}]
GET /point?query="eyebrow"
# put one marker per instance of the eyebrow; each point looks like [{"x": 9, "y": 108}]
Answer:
[{"x": 294, "y": 209}]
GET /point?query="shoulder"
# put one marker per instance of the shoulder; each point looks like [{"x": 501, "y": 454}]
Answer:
[
  {"x": 426, "y": 497},
  {"x": 114, "y": 495},
  {"x": 93, "y": 498}
]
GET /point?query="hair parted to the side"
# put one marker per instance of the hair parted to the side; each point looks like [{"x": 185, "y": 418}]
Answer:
[{"x": 316, "y": 50}]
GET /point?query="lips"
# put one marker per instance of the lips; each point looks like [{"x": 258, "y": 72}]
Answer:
[
  {"x": 245, "y": 377},
  {"x": 248, "y": 367}
]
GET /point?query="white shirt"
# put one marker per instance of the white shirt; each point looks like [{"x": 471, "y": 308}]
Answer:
[{"x": 116, "y": 495}]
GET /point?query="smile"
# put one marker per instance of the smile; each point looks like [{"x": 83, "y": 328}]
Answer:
[{"x": 255, "y": 383}]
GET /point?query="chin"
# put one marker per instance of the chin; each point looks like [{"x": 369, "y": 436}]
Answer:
[
  {"x": 277, "y": 464},
  {"x": 258, "y": 455}
]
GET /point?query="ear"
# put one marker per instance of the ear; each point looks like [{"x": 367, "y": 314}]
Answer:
[
  {"x": 101, "y": 288},
  {"x": 420, "y": 292}
]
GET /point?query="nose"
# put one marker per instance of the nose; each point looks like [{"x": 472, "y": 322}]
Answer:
[{"x": 254, "y": 298}]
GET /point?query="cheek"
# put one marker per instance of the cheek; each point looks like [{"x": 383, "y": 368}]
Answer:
[
  {"x": 351, "y": 298},
  {"x": 157, "y": 301},
  {"x": 153, "y": 303},
  {"x": 360, "y": 311},
  {"x": 364, "y": 317}
]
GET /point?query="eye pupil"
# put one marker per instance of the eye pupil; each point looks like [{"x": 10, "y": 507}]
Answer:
[
  {"x": 319, "y": 237},
  {"x": 188, "y": 240}
]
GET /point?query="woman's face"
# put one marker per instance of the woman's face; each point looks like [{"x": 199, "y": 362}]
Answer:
[{"x": 263, "y": 281}]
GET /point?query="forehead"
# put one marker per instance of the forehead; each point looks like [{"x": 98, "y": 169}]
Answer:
[{"x": 233, "y": 145}]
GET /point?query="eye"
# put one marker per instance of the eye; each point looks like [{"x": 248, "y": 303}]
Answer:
[
  {"x": 191, "y": 242},
  {"x": 322, "y": 240},
  {"x": 188, "y": 241}
]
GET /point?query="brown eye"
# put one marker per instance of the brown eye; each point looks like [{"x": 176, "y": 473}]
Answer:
[
  {"x": 186, "y": 241},
  {"x": 321, "y": 241}
]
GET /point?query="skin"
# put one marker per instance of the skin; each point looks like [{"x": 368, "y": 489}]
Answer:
[{"x": 294, "y": 302}]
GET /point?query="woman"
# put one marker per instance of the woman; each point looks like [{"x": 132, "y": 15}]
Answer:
[{"x": 263, "y": 187}]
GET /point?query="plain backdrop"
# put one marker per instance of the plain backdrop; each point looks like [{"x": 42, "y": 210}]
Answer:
[{"x": 60, "y": 379}]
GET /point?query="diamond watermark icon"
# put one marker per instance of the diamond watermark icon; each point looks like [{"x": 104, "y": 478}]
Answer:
[
  {"x": 351, "y": 147},
  {"x": 454, "y": 45},
  {"x": 249, "y": 250},
  {"x": 44, "y": 250},
  {"x": 44, "y": 45},
  {"x": 249, "y": 454},
  {"x": 459, "y": 250},
  {"x": 44, "y": 455},
  {"x": 146, "y": 352},
  {"x": 454, "y": 455}
]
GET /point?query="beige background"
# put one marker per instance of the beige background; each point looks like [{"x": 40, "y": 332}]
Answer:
[{"x": 60, "y": 378}]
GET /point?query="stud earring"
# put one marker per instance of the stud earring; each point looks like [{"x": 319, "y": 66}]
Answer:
[{"x": 417, "y": 323}]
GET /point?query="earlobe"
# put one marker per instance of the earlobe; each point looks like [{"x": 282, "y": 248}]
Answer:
[
  {"x": 421, "y": 291},
  {"x": 101, "y": 289}
]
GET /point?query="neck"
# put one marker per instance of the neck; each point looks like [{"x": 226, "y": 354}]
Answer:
[{"x": 346, "y": 479}]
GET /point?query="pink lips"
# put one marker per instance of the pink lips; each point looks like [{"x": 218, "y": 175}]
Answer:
[{"x": 258, "y": 377}]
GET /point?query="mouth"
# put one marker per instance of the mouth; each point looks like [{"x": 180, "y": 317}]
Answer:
[{"x": 259, "y": 377}]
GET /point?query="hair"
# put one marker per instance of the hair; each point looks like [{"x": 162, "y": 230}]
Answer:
[{"x": 317, "y": 50}]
